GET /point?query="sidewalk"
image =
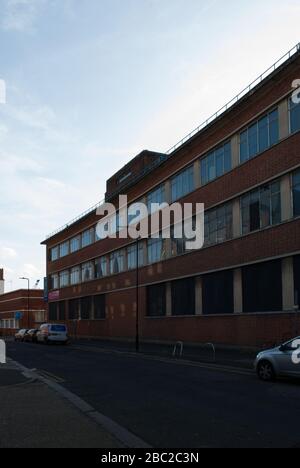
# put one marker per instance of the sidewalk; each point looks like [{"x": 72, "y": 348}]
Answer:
[
  {"x": 206, "y": 353},
  {"x": 34, "y": 416}
]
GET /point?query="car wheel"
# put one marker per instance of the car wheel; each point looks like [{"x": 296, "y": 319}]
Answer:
[{"x": 265, "y": 371}]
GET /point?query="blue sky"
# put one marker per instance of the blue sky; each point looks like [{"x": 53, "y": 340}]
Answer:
[{"x": 90, "y": 83}]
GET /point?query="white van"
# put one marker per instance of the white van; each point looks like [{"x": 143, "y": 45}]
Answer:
[{"x": 53, "y": 333}]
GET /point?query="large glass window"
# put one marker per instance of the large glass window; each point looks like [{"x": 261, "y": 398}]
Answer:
[
  {"x": 75, "y": 244},
  {"x": 216, "y": 163},
  {"x": 64, "y": 278},
  {"x": 54, "y": 281},
  {"x": 75, "y": 275},
  {"x": 296, "y": 193},
  {"x": 261, "y": 208},
  {"x": 74, "y": 309},
  {"x": 101, "y": 268},
  {"x": 99, "y": 307},
  {"x": 294, "y": 116},
  {"x": 259, "y": 136},
  {"x": 262, "y": 287},
  {"x": 217, "y": 293},
  {"x": 64, "y": 249},
  {"x": 54, "y": 254},
  {"x": 87, "y": 272},
  {"x": 131, "y": 256},
  {"x": 183, "y": 183},
  {"x": 156, "y": 300},
  {"x": 218, "y": 224},
  {"x": 156, "y": 196},
  {"x": 183, "y": 297},
  {"x": 88, "y": 237},
  {"x": 117, "y": 264},
  {"x": 156, "y": 250}
]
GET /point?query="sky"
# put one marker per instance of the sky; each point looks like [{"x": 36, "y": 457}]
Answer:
[{"x": 91, "y": 83}]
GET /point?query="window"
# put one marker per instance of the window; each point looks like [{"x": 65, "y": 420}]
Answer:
[
  {"x": 101, "y": 268},
  {"x": 183, "y": 297},
  {"x": 294, "y": 116},
  {"x": 86, "y": 308},
  {"x": 131, "y": 256},
  {"x": 75, "y": 275},
  {"x": 74, "y": 309},
  {"x": 64, "y": 278},
  {"x": 54, "y": 282},
  {"x": 183, "y": 183},
  {"x": 217, "y": 291},
  {"x": 296, "y": 193},
  {"x": 64, "y": 249},
  {"x": 218, "y": 225},
  {"x": 260, "y": 136},
  {"x": 156, "y": 250},
  {"x": 54, "y": 254},
  {"x": 156, "y": 196},
  {"x": 117, "y": 262},
  {"x": 156, "y": 300},
  {"x": 179, "y": 238},
  {"x": 216, "y": 163},
  {"x": 87, "y": 272},
  {"x": 75, "y": 244},
  {"x": 262, "y": 287},
  {"x": 53, "y": 311},
  {"x": 88, "y": 237},
  {"x": 62, "y": 311},
  {"x": 261, "y": 208},
  {"x": 297, "y": 279},
  {"x": 99, "y": 307}
]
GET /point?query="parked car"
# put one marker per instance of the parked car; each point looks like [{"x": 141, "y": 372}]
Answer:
[
  {"x": 30, "y": 336},
  {"x": 20, "y": 335},
  {"x": 52, "y": 333},
  {"x": 282, "y": 361}
]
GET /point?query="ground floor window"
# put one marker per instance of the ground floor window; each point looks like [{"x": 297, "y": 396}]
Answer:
[
  {"x": 53, "y": 311},
  {"x": 297, "y": 279},
  {"x": 62, "y": 311},
  {"x": 99, "y": 307},
  {"x": 156, "y": 300},
  {"x": 74, "y": 309},
  {"x": 86, "y": 308},
  {"x": 183, "y": 297},
  {"x": 262, "y": 287},
  {"x": 217, "y": 293}
]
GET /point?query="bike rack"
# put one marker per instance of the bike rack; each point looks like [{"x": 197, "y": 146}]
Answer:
[{"x": 178, "y": 345}]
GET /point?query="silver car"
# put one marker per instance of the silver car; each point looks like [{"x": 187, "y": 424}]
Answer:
[{"x": 283, "y": 361}]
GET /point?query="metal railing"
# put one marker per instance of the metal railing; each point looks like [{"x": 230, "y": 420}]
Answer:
[{"x": 169, "y": 153}]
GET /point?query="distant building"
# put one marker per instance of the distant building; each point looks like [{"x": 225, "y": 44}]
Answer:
[
  {"x": 243, "y": 287},
  {"x": 14, "y": 307}
]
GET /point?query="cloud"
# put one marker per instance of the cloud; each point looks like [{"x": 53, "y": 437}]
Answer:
[
  {"x": 21, "y": 15},
  {"x": 7, "y": 253}
]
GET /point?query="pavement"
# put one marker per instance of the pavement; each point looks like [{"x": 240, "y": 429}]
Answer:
[
  {"x": 157, "y": 401},
  {"x": 35, "y": 416}
]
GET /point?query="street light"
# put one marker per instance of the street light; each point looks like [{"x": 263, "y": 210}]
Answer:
[{"x": 28, "y": 280}]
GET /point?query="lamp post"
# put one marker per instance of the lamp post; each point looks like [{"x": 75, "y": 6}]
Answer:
[{"x": 28, "y": 292}]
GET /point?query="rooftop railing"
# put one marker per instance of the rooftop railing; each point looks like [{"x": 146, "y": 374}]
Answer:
[{"x": 210, "y": 120}]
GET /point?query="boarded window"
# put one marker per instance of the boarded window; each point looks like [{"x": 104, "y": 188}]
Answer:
[
  {"x": 86, "y": 308},
  {"x": 183, "y": 297},
  {"x": 156, "y": 300},
  {"x": 74, "y": 309},
  {"x": 262, "y": 287},
  {"x": 99, "y": 307},
  {"x": 217, "y": 290},
  {"x": 53, "y": 309}
]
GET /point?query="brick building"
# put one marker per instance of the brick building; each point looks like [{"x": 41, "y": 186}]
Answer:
[
  {"x": 16, "y": 302},
  {"x": 243, "y": 287}
]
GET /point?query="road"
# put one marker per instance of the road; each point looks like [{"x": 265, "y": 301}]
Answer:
[{"x": 170, "y": 404}]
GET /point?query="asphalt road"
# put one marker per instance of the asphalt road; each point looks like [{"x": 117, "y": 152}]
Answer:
[{"x": 172, "y": 405}]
